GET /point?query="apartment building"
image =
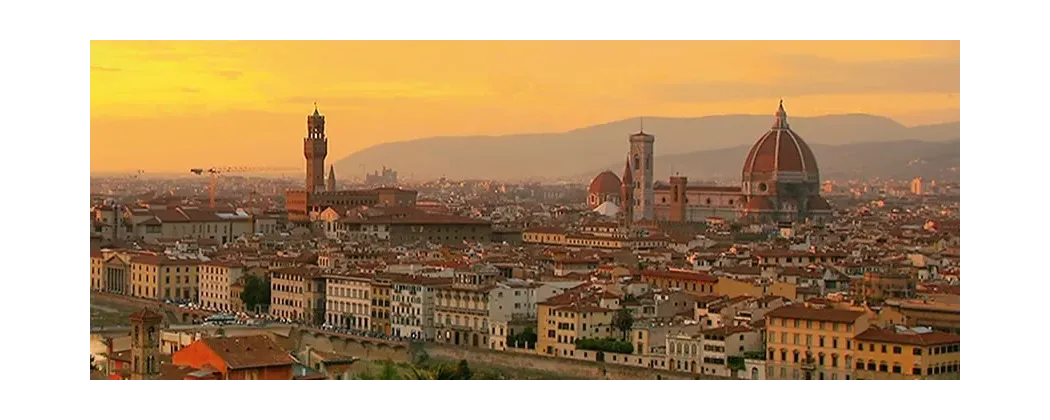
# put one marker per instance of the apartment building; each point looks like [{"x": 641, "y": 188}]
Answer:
[
  {"x": 381, "y": 303},
  {"x": 461, "y": 314},
  {"x": 412, "y": 305},
  {"x": 163, "y": 277},
  {"x": 810, "y": 343},
  {"x": 721, "y": 344},
  {"x": 687, "y": 281},
  {"x": 578, "y": 313},
  {"x": 159, "y": 222},
  {"x": 906, "y": 353},
  {"x": 216, "y": 278},
  {"x": 348, "y": 301},
  {"x": 298, "y": 293}
]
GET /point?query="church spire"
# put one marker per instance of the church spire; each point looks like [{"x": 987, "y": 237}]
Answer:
[
  {"x": 330, "y": 185},
  {"x": 627, "y": 194},
  {"x": 782, "y": 117}
]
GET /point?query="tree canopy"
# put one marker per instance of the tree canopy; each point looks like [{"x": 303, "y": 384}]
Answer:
[
  {"x": 256, "y": 291},
  {"x": 623, "y": 320},
  {"x": 526, "y": 338}
]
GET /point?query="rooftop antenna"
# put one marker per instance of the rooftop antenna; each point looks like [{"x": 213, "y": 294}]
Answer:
[{"x": 641, "y": 124}]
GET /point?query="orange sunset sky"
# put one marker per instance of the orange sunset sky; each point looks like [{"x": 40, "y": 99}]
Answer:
[{"x": 169, "y": 106}]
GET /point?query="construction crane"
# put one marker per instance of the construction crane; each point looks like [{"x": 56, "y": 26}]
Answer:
[{"x": 214, "y": 172}]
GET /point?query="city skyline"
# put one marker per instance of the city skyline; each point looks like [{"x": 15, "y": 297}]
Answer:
[{"x": 246, "y": 101}]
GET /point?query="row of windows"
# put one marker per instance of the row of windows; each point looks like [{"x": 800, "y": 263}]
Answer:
[
  {"x": 404, "y": 320},
  {"x": 278, "y": 287},
  {"x": 346, "y": 307},
  {"x": 210, "y": 269},
  {"x": 276, "y": 300},
  {"x": 679, "y": 348},
  {"x": 821, "y": 325},
  {"x": 915, "y": 351},
  {"x": 347, "y": 292},
  {"x": 820, "y": 359},
  {"x": 474, "y": 322},
  {"x": 916, "y": 371},
  {"x": 822, "y": 342},
  {"x": 347, "y": 320},
  {"x": 218, "y": 287},
  {"x": 401, "y": 310},
  {"x": 796, "y": 375}
]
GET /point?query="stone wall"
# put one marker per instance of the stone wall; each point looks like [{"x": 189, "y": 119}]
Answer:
[
  {"x": 566, "y": 367},
  {"x": 405, "y": 352},
  {"x": 360, "y": 347}
]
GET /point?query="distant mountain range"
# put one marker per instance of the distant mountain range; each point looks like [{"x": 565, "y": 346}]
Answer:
[
  {"x": 903, "y": 159},
  {"x": 703, "y": 148}
]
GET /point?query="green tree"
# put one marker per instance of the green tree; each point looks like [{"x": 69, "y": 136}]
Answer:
[
  {"x": 256, "y": 291},
  {"x": 623, "y": 320},
  {"x": 526, "y": 338}
]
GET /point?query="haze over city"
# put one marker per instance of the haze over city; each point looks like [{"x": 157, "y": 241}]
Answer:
[
  {"x": 525, "y": 210},
  {"x": 170, "y": 106}
]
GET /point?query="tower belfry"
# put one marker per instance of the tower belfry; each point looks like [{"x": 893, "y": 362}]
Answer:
[
  {"x": 315, "y": 149},
  {"x": 145, "y": 342}
]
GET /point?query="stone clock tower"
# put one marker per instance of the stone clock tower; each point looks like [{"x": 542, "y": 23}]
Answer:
[{"x": 315, "y": 148}]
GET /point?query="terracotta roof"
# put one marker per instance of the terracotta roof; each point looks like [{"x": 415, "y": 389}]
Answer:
[
  {"x": 248, "y": 352},
  {"x": 681, "y": 275},
  {"x": 543, "y": 229},
  {"x": 813, "y": 314},
  {"x": 150, "y": 259},
  {"x": 780, "y": 150},
  {"x": 224, "y": 263},
  {"x": 605, "y": 183},
  {"x": 583, "y": 308},
  {"x": 910, "y": 337}
]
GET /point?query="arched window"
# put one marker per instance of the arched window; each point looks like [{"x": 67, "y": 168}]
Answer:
[
  {"x": 637, "y": 162},
  {"x": 754, "y": 373}
]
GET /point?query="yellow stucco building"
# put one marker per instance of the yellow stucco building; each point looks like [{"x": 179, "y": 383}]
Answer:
[
  {"x": 907, "y": 353},
  {"x": 810, "y": 343}
]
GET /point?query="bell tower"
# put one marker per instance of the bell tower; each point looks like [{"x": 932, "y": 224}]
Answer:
[
  {"x": 642, "y": 168},
  {"x": 145, "y": 332},
  {"x": 315, "y": 148}
]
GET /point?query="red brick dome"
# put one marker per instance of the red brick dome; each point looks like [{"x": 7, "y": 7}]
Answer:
[
  {"x": 605, "y": 183},
  {"x": 781, "y": 150}
]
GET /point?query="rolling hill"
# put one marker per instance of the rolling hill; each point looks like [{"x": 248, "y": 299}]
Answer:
[
  {"x": 569, "y": 154},
  {"x": 903, "y": 159}
]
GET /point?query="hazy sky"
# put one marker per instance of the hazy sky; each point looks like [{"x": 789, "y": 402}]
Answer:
[{"x": 169, "y": 106}]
